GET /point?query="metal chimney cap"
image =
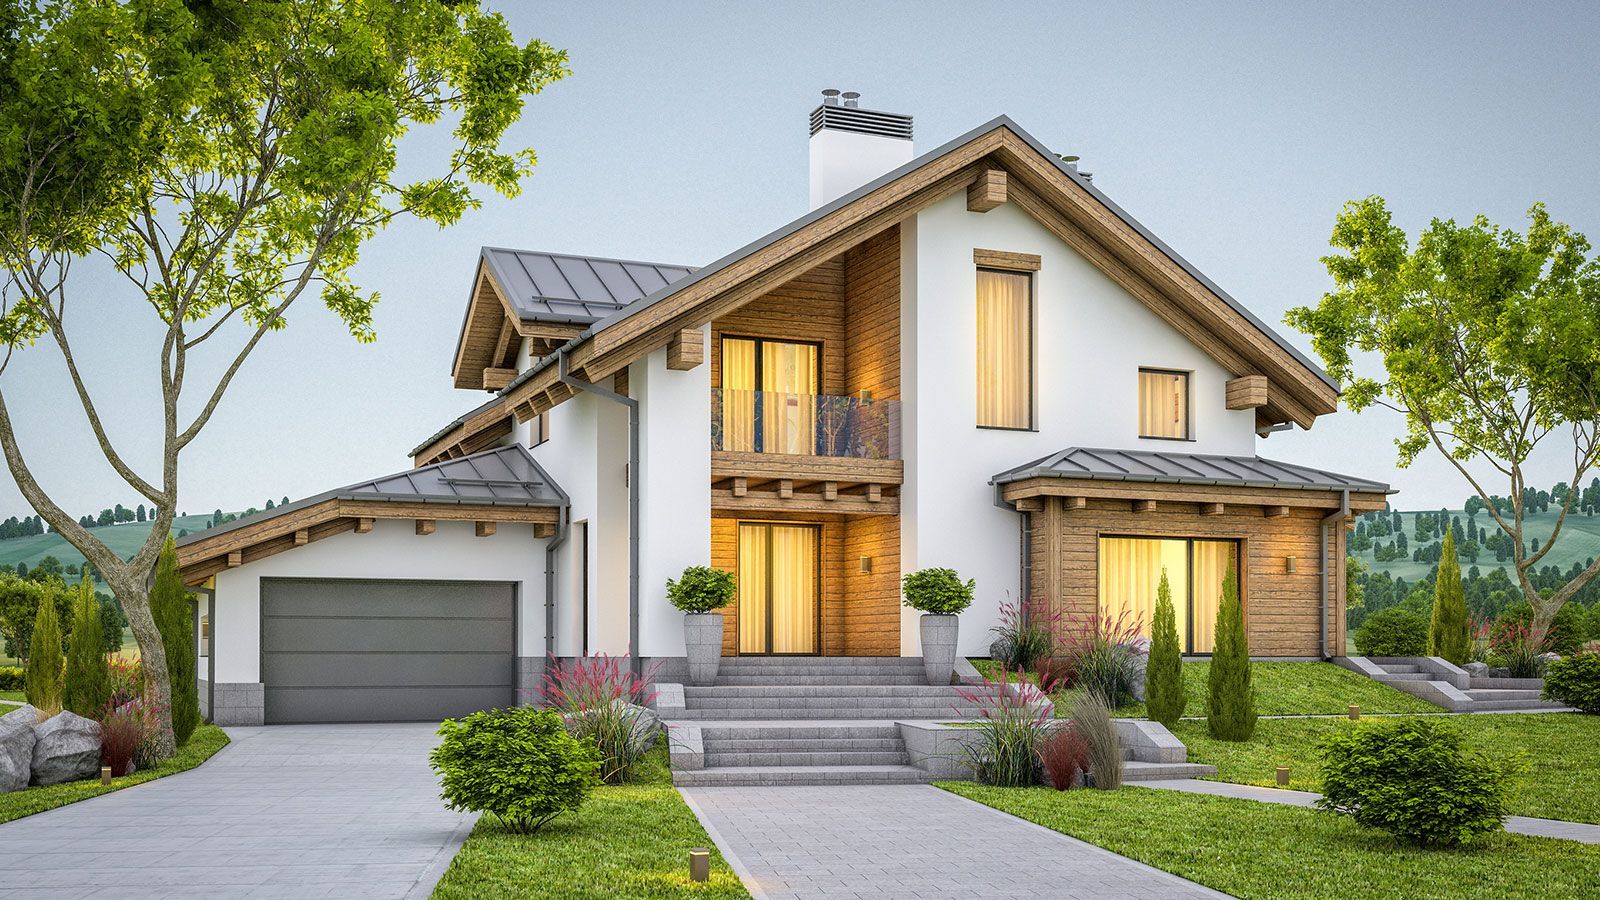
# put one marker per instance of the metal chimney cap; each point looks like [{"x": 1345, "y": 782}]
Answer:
[
  {"x": 852, "y": 99},
  {"x": 830, "y": 97}
]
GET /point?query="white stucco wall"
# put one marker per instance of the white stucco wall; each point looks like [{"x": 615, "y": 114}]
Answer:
[
  {"x": 392, "y": 549},
  {"x": 1091, "y": 339}
]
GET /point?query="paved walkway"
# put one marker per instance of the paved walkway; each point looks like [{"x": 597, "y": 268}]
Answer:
[
  {"x": 905, "y": 841},
  {"x": 1551, "y": 828},
  {"x": 284, "y": 811}
]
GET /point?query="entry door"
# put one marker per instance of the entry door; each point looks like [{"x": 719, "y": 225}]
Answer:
[
  {"x": 778, "y": 588},
  {"x": 769, "y": 395}
]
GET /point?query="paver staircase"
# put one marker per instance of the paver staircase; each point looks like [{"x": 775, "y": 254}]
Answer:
[{"x": 1445, "y": 685}]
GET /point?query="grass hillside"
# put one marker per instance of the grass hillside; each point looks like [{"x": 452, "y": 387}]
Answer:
[
  {"x": 1579, "y": 541},
  {"x": 125, "y": 539}
]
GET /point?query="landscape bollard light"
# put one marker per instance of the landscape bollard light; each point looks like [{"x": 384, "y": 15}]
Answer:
[
  {"x": 1283, "y": 776},
  {"x": 1355, "y": 711},
  {"x": 105, "y": 775},
  {"x": 699, "y": 864}
]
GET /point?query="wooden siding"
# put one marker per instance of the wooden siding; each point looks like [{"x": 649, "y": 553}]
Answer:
[
  {"x": 809, "y": 307},
  {"x": 1280, "y": 608},
  {"x": 872, "y": 316}
]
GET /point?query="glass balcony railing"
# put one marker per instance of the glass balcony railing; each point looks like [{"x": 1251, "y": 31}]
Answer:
[{"x": 805, "y": 424}]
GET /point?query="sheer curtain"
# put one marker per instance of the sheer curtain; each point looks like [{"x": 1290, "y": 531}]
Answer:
[
  {"x": 789, "y": 376},
  {"x": 1130, "y": 574},
  {"x": 738, "y": 394},
  {"x": 1163, "y": 404},
  {"x": 794, "y": 588},
  {"x": 752, "y": 577},
  {"x": 1212, "y": 560},
  {"x": 1005, "y": 350}
]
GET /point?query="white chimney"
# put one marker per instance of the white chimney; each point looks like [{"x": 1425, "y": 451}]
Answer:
[{"x": 851, "y": 146}]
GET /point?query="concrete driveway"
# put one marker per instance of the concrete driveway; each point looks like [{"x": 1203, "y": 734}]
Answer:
[{"x": 283, "y": 811}]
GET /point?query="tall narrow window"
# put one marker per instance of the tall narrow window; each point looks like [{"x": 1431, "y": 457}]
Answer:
[
  {"x": 1005, "y": 349},
  {"x": 1164, "y": 404}
]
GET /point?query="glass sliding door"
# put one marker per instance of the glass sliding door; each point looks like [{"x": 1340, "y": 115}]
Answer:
[
  {"x": 778, "y": 586},
  {"x": 1130, "y": 573},
  {"x": 769, "y": 391}
]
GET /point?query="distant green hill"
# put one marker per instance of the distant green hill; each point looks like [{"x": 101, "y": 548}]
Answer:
[
  {"x": 124, "y": 539},
  {"x": 1579, "y": 542}
]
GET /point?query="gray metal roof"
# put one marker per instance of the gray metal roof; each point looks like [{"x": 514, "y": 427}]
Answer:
[
  {"x": 574, "y": 290},
  {"x": 503, "y": 476},
  {"x": 492, "y": 401},
  {"x": 1185, "y": 468},
  {"x": 656, "y": 296}
]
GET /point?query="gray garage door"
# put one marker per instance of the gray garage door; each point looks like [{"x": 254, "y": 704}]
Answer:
[{"x": 348, "y": 650}]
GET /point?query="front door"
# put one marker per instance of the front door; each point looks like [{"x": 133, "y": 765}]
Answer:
[{"x": 778, "y": 588}]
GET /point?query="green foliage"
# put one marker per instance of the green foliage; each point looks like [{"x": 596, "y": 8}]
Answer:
[
  {"x": 88, "y": 678},
  {"x": 112, "y": 621},
  {"x": 519, "y": 764},
  {"x": 169, "y": 604},
  {"x": 1569, "y": 628},
  {"x": 1230, "y": 697},
  {"x": 1415, "y": 779},
  {"x": 1490, "y": 342},
  {"x": 1450, "y": 631},
  {"x": 1393, "y": 632},
  {"x": 701, "y": 589},
  {"x": 45, "y": 662},
  {"x": 939, "y": 592},
  {"x": 1575, "y": 681},
  {"x": 1164, "y": 695},
  {"x": 12, "y": 678},
  {"x": 1091, "y": 719}
]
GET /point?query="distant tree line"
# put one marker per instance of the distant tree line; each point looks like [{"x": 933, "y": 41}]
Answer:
[{"x": 28, "y": 526}]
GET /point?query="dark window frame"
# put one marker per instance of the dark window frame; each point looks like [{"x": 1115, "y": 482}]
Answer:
[
  {"x": 1188, "y": 403},
  {"x": 1188, "y": 555},
  {"x": 1033, "y": 349}
]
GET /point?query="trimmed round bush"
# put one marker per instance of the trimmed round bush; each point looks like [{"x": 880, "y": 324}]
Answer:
[
  {"x": 1393, "y": 632},
  {"x": 938, "y": 592},
  {"x": 1414, "y": 779},
  {"x": 1575, "y": 681},
  {"x": 519, "y": 764},
  {"x": 701, "y": 589}
]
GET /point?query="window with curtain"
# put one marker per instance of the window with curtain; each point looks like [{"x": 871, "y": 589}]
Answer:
[
  {"x": 1164, "y": 404},
  {"x": 1005, "y": 349},
  {"x": 1130, "y": 573},
  {"x": 769, "y": 393}
]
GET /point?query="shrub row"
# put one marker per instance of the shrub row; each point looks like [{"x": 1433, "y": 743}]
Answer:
[{"x": 10, "y": 678}]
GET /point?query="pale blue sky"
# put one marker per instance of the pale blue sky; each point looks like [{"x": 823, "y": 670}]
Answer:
[{"x": 1233, "y": 131}]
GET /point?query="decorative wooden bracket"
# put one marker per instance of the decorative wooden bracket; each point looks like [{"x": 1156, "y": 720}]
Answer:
[
  {"x": 687, "y": 350},
  {"x": 1275, "y": 512},
  {"x": 987, "y": 192},
  {"x": 1211, "y": 509},
  {"x": 364, "y": 524},
  {"x": 494, "y": 378},
  {"x": 427, "y": 526},
  {"x": 1144, "y": 506},
  {"x": 1247, "y": 392},
  {"x": 544, "y": 530},
  {"x": 302, "y": 537},
  {"x": 484, "y": 529}
]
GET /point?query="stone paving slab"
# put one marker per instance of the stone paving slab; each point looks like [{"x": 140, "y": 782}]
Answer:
[
  {"x": 1581, "y": 832},
  {"x": 910, "y": 841},
  {"x": 283, "y": 811}
]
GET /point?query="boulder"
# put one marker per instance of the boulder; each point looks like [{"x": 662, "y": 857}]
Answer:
[
  {"x": 1499, "y": 672},
  {"x": 16, "y": 747},
  {"x": 1002, "y": 650},
  {"x": 1477, "y": 669},
  {"x": 1138, "y": 660},
  {"x": 68, "y": 749}
]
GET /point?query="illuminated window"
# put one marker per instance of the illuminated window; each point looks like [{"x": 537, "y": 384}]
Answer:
[
  {"x": 1130, "y": 574},
  {"x": 1005, "y": 349},
  {"x": 1164, "y": 404}
]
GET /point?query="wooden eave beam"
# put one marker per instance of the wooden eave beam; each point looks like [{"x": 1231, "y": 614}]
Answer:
[
  {"x": 1071, "y": 488},
  {"x": 496, "y": 378}
]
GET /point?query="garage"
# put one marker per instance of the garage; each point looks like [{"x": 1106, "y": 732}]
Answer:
[{"x": 372, "y": 650}]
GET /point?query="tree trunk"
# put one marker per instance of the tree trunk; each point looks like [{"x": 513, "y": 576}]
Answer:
[{"x": 135, "y": 600}]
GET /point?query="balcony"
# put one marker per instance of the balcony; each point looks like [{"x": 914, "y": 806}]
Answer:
[{"x": 804, "y": 425}]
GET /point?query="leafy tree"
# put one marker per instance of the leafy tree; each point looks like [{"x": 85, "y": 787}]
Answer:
[
  {"x": 45, "y": 662},
  {"x": 1450, "y": 631},
  {"x": 1164, "y": 693},
  {"x": 1230, "y": 700},
  {"x": 1490, "y": 343},
  {"x": 226, "y": 158},
  {"x": 112, "y": 621},
  {"x": 88, "y": 678},
  {"x": 170, "y": 604}
]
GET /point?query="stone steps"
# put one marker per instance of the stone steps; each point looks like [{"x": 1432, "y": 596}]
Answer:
[
  {"x": 724, "y": 680},
  {"x": 1450, "y": 688},
  {"x": 801, "y": 775},
  {"x": 805, "y": 758},
  {"x": 933, "y": 713},
  {"x": 789, "y": 690},
  {"x": 1136, "y": 770}
]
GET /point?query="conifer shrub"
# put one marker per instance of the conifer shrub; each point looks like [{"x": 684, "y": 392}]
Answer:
[
  {"x": 1450, "y": 631},
  {"x": 1164, "y": 694},
  {"x": 45, "y": 662},
  {"x": 87, "y": 688},
  {"x": 1231, "y": 699},
  {"x": 169, "y": 604}
]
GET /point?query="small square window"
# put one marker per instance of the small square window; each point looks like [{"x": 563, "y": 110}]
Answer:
[{"x": 1164, "y": 404}]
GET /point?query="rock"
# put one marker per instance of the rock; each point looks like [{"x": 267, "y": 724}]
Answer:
[
  {"x": 16, "y": 747},
  {"x": 1003, "y": 651},
  {"x": 1477, "y": 669},
  {"x": 68, "y": 749},
  {"x": 1500, "y": 672},
  {"x": 1138, "y": 660}
]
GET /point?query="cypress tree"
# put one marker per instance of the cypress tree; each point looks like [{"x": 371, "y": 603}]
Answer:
[
  {"x": 1450, "y": 631},
  {"x": 88, "y": 683},
  {"x": 170, "y": 606},
  {"x": 1230, "y": 701},
  {"x": 1164, "y": 696},
  {"x": 45, "y": 662}
]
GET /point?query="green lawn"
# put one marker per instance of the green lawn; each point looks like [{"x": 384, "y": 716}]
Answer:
[
  {"x": 630, "y": 840},
  {"x": 1562, "y": 751},
  {"x": 1282, "y": 689},
  {"x": 13, "y": 696},
  {"x": 1252, "y": 849},
  {"x": 207, "y": 740}
]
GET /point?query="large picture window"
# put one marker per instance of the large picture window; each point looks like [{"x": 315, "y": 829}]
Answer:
[
  {"x": 1130, "y": 573},
  {"x": 1005, "y": 349},
  {"x": 1164, "y": 404}
]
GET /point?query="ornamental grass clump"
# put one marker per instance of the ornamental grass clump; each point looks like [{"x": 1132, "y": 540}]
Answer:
[
  {"x": 1165, "y": 696},
  {"x": 938, "y": 592},
  {"x": 1064, "y": 756},
  {"x": 1091, "y": 719},
  {"x": 1014, "y": 718},
  {"x": 1025, "y": 635},
  {"x": 1415, "y": 779},
  {"x": 1102, "y": 652},
  {"x": 1511, "y": 644},
  {"x": 1231, "y": 698},
  {"x": 519, "y": 765},
  {"x": 603, "y": 703},
  {"x": 701, "y": 589}
]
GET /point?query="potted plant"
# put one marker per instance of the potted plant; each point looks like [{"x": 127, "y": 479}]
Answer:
[
  {"x": 698, "y": 591},
  {"x": 938, "y": 594}
]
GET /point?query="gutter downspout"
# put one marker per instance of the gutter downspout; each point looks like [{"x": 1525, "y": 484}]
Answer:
[
  {"x": 634, "y": 661},
  {"x": 550, "y": 548},
  {"x": 1026, "y": 570},
  {"x": 1340, "y": 516}
]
